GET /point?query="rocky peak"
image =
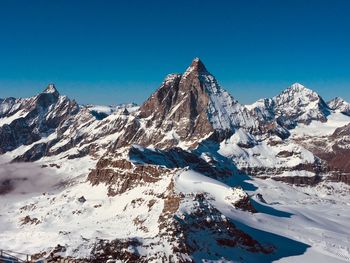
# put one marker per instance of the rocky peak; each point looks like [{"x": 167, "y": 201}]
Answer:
[
  {"x": 336, "y": 102},
  {"x": 300, "y": 104},
  {"x": 179, "y": 106},
  {"x": 196, "y": 66},
  {"x": 48, "y": 97},
  {"x": 296, "y": 104},
  {"x": 298, "y": 91},
  {"x": 51, "y": 89},
  {"x": 301, "y": 96},
  {"x": 297, "y": 87},
  {"x": 190, "y": 106}
]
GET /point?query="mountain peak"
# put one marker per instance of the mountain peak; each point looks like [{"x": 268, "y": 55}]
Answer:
[
  {"x": 337, "y": 100},
  {"x": 297, "y": 86},
  {"x": 192, "y": 106},
  {"x": 297, "y": 89},
  {"x": 196, "y": 66},
  {"x": 51, "y": 89},
  {"x": 339, "y": 104}
]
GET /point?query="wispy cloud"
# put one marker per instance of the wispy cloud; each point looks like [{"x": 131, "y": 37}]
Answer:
[{"x": 25, "y": 178}]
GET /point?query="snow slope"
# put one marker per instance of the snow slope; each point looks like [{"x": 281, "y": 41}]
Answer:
[
  {"x": 79, "y": 225},
  {"x": 317, "y": 128},
  {"x": 301, "y": 214}
]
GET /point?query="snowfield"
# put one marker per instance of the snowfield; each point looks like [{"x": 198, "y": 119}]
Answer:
[
  {"x": 315, "y": 219},
  {"x": 67, "y": 220},
  {"x": 317, "y": 128},
  {"x": 318, "y": 218}
]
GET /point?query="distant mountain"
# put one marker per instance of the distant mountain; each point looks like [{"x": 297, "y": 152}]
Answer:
[
  {"x": 338, "y": 104},
  {"x": 26, "y": 121},
  {"x": 101, "y": 111},
  {"x": 296, "y": 104}
]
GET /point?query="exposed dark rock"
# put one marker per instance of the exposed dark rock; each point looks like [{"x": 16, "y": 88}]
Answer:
[
  {"x": 285, "y": 154},
  {"x": 122, "y": 175},
  {"x": 261, "y": 198},
  {"x": 82, "y": 199},
  {"x": 28, "y": 220},
  {"x": 245, "y": 205},
  {"x": 298, "y": 180}
]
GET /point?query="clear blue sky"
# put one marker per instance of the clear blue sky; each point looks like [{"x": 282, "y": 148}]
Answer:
[{"x": 109, "y": 52}]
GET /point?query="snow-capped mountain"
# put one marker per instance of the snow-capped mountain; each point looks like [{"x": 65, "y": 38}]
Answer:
[
  {"x": 296, "y": 104},
  {"x": 338, "y": 104},
  {"x": 191, "y": 175},
  {"x": 25, "y": 121},
  {"x": 190, "y": 107}
]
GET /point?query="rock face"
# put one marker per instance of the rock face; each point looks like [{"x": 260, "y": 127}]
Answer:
[
  {"x": 334, "y": 150},
  {"x": 341, "y": 150},
  {"x": 186, "y": 109},
  {"x": 122, "y": 175}
]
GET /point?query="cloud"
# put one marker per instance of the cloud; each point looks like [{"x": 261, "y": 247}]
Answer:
[{"x": 25, "y": 178}]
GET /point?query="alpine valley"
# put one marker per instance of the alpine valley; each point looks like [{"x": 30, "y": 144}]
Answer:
[{"x": 191, "y": 175}]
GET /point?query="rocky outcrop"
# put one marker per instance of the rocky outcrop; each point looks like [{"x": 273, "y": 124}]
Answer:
[
  {"x": 338, "y": 159},
  {"x": 178, "y": 233},
  {"x": 122, "y": 175},
  {"x": 299, "y": 180},
  {"x": 318, "y": 168},
  {"x": 206, "y": 220}
]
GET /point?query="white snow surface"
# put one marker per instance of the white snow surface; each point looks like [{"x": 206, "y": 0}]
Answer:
[
  {"x": 67, "y": 221},
  {"x": 10, "y": 119},
  {"x": 224, "y": 112},
  {"x": 317, "y": 128},
  {"x": 191, "y": 182},
  {"x": 316, "y": 218},
  {"x": 261, "y": 153},
  {"x": 130, "y": 107}
]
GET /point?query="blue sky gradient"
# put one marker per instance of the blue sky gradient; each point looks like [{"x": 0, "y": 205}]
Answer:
[{"x": 108, "y": 52}]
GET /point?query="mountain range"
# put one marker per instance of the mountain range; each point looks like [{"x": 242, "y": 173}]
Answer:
[{"x": 191, "y": 175}]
